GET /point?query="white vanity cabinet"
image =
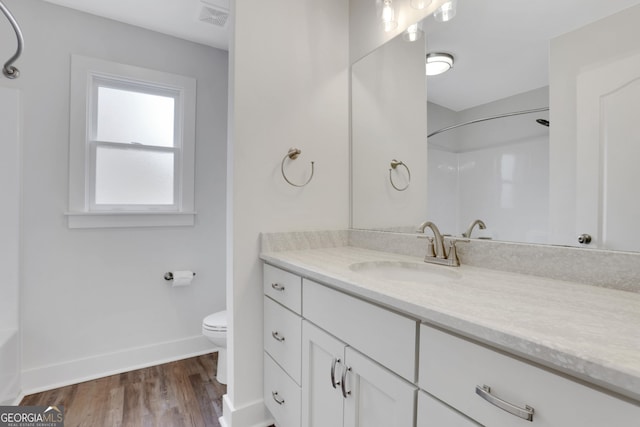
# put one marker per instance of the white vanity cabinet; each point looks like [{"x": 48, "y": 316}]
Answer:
[
  {"x": 350, "y": 348},
  {"x": 282, "y": 330},
  {"x": 497, "y": 390},
  {"x": 383, "y": 335},
  {"x": 337, "y": 360},
  {"x": 342, "y": 387},
  {"x": 343, "y": 363}
]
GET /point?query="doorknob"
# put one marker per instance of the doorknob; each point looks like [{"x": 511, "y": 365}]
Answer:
[{"x": 584, "y": 239}]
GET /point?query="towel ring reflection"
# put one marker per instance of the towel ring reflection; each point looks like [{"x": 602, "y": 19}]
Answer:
[
  {"x": 394, "y": 164},
  {"x": 293, "y": 154}
]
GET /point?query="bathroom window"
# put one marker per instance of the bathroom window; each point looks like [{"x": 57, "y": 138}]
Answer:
[{"x": 132, "y": 146}]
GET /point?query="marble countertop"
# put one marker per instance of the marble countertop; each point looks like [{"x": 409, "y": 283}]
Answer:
[{"x": 588, "y": 332}]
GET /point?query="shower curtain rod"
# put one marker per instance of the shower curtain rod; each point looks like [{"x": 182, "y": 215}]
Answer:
[
  {"x": 9, "y": 70},
  {"x": 499, "y": 116}
]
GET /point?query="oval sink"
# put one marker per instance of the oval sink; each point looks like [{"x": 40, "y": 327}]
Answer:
[{"x": 405, "y": 271}]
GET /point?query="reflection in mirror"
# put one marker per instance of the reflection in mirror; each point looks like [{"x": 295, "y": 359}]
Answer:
[
  {"x": 521, "y": 174},
  {"x": 496, "y": 170},
  {"x": 388, "y": 87}
]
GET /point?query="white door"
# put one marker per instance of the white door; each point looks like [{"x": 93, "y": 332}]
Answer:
[
  {"x": 376, "y": 397},
  {"x": 608, "y": 174},
  {"x": 322, "y": 365}
]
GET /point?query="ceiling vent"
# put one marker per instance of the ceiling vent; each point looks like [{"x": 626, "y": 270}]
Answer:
[{"x": 214, "y": 15}]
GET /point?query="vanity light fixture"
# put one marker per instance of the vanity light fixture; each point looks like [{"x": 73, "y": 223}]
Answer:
[
  {"x": 420, "y": 4},
  {"x": 388, "y": 16},
  {"x": 413, "y": 33},
  {"x": 438, "y": 63},
  {"x": 446, "y": 12}
]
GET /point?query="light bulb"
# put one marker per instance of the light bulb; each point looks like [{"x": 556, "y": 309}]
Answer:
[
  {"x": 388, "y": 16},
  {"x": 412, "y": 33},
  {"x": 420, "y": 4},
  {"x": 446, "y": 12}
]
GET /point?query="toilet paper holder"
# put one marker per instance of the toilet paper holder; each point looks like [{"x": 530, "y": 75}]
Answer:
[{"x": 169, "y": 275}]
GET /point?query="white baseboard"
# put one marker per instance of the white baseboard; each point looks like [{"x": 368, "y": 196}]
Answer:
[
  {"x": 76, "y": 371},
  {"x": 18, "y": 399},
  {"x": 11, "y": 392},
  {"x": 254, "y": 414},
  {"x": 9, "y": 365}
]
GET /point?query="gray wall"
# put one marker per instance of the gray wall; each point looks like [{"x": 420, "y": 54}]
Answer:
[{"x": 94, "y": 301}]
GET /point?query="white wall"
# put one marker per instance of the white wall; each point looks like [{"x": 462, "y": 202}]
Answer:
[
  {"x": 94, "y": 301},
  {"x": 611, "y": 38},
  {"x": 443, "y": 191},
  {"x": 289, "y": 88},
  {"x": 388, "y": 98},
  {"x": 508, "y": 188},
  {"x": 10, "y": 243}
]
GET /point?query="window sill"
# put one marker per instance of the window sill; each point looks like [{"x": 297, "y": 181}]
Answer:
[{"x": 129, "y": 219}]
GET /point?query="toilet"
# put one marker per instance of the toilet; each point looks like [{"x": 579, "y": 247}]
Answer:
[{"x": 214, "y": 327}]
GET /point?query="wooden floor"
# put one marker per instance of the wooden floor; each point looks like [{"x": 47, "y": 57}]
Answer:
[{"x": 183, "y": 393}]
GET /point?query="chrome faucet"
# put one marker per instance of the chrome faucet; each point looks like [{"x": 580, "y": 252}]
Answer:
[
  {"x": 439, "y": 243},
  {"x": 436, "y": 252},
  {"x": 477, "y": 222}
]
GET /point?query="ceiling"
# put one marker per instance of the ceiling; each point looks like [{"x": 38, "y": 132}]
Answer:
[
  {"x": 179, "y": 18},
  {"x": 501, "y": 47}
]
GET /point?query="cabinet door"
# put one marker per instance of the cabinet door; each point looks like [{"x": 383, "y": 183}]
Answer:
[
  {"x": 322, "y": 354},
  {"x": 455, "y": 370},
  {"x": 283, "y": 287},
  {"x": 376, "y": 397},
  {"x": 282, "y": 334},
  {"x": 281, "y": 394}
]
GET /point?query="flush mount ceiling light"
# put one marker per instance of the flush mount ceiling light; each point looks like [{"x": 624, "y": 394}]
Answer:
[
  {"x": 420, "y": 4},
  {"x": 446, "y": 12},
  {"x": 438, "y": 63},
  {"x": 413, "y": 33},
  {"x": 388, "y": 16}
]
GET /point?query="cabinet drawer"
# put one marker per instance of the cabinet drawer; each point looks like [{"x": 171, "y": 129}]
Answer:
[
  {"x": 433, "y": 413},
  {"x": 451, "y": 368},
  {"x": 283, "y": 337},
  {"x": 284, "y": 287},
  {"x": 282, "y": 396},
  {"x": 384, "y": 336}
]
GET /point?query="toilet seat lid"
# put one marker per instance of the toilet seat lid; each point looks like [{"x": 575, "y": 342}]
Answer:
[{"x": 216, "y": 321}]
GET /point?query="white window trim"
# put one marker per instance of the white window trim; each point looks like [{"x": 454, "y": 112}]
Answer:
[{"x": 80, "y": 215}]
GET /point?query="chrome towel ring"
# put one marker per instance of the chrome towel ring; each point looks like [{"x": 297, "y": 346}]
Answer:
[
  {"x": 9, "y": 70},
  {"x": 293, "y": 154},
  {"x": 394, "y": 164}
]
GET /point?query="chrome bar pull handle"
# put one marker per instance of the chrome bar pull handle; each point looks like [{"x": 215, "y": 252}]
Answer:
[
  {"x": 278, "y": 400},
  {"x": 276, "y": 335},
  {"x": 525, "y": 413},
  {"x": 336, "y": 360},
  {"x": 277, "y": 287},
  {"x": 343, "y": 383}
]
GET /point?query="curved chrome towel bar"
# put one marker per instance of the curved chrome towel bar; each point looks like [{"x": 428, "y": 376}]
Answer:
[
  {"x": 9, "y": 70},
  {"x": 499, "y": 116},
  {"x": 394, "y": 164},
  {"x": 293, "y": 154}
]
